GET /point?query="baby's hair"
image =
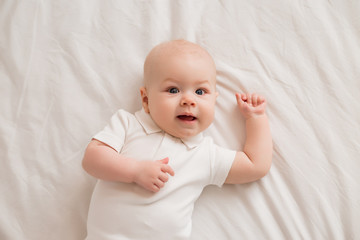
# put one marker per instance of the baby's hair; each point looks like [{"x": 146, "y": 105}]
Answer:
[
  {"x": 179, "y": 46},
  {"x": 182, "y": 46}
]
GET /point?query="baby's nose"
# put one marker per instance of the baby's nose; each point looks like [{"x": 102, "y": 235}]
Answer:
[{"x": 187, "y": 100}]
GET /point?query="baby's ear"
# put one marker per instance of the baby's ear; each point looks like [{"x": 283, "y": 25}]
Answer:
[{"x": 144, "y": 99}]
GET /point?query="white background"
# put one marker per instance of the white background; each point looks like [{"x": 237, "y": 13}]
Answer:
[{"x": 67, "y": 66}]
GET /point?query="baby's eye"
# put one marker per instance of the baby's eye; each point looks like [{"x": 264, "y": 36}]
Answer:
[
  {"x": 200, "y": 92},
  {"x": 173, "y": 90}
]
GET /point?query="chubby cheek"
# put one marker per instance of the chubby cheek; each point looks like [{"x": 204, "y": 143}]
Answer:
[
  {"x": 208, "y": 119},
  {"x": 160, "y": 110},
  {"x": 208, "y": 115},
  {"x": 158, "y": 105}
]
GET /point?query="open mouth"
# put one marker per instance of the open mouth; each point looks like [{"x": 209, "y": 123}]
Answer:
[{"x": 186, "y": 117}]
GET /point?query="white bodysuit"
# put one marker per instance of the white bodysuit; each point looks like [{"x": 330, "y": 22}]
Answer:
[{"x": 127, "y": 211}]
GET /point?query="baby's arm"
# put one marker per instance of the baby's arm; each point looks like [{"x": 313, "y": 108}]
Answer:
[
  {"x": 103, "y": 162},
  {"x": 255, "y": 160}
]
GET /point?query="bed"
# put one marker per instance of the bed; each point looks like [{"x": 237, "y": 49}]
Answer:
[{"x": 67, "y": 66}]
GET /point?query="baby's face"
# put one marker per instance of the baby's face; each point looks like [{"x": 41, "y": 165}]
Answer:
[{"x": 180, "y": 94}]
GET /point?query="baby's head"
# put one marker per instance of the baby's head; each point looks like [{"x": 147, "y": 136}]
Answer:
[{"x": 179, "y": 89}]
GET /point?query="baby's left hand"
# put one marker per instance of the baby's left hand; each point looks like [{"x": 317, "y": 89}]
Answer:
[{"x": 251, "y": 104}]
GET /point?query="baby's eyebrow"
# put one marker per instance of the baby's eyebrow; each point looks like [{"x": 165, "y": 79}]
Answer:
[
  {"x": 203, "y": 81},
  {"x": 206, "y": 83},
  {"x": 197, "y": 82},
  {"x": 171, "y": 80}
]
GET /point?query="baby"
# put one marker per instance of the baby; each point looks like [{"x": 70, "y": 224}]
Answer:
[{"x": 152, "y": 166}]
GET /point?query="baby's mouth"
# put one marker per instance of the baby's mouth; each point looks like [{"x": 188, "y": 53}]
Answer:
[{"x": 186, "y": 117}]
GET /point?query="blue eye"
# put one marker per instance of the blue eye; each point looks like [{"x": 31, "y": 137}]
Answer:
[
  {"x": 173, "y": 90},
  {"x": 200, "y": 92}
]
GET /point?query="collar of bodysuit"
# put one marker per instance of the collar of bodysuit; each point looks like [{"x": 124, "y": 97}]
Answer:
[{"x": 150, "y": 127}]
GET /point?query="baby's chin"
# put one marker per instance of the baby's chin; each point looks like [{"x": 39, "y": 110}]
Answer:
[{"x": 185, "y": 134}]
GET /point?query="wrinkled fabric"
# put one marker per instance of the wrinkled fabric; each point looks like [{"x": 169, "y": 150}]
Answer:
[{"x": 67, "y": 66}]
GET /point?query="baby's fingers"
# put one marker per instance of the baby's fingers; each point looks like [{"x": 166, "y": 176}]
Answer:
[
  {"x": 153, "y": 188},
  {"x": 242, "y": 101},
  {"x": 164, "y": 177},
  {"x": 257, "y": 100},
  {"x": 241, "y": 98},
  {"x": 159, "y": 183},
  {"x": 167, "y": 169},
  {"x": 262, "y": 99}
]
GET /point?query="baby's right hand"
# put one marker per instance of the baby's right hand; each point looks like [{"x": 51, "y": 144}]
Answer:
[{"x": 152, "y": 175}]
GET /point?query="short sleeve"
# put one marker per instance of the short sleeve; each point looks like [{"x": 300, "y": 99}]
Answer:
[
  {"x": 221, "y": 162},
  {"x": 115, "y": 132}
]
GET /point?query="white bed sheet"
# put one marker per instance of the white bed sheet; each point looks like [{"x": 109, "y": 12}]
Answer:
[{"x": 67, "y": 66}]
